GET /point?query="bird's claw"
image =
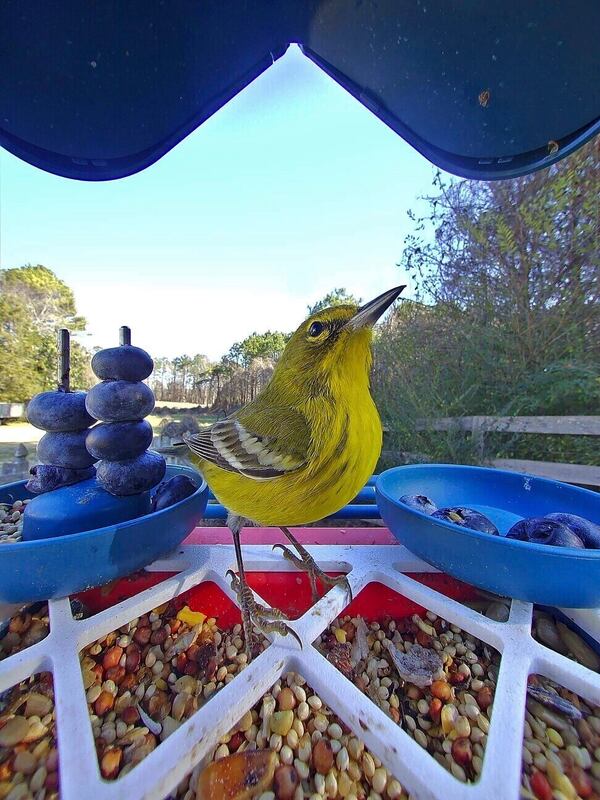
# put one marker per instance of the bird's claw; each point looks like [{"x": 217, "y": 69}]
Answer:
[
  {"x": 282, "y": 629},
  {"x": 235, "y": 581},
  {"x": 289, "y": 556},
  {"x": 306, "y": 563},
  {"x": 255, "y": 615},
  {"x": 271, "y": 620}
]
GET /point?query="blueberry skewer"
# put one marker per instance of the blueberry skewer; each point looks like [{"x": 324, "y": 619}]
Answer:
[
  {"x": 121, "y": 401},
  {"x": 64, "y": 458}
]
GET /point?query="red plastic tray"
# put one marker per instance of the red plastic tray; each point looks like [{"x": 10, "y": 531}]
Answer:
[{"x": 289, "y": 591}]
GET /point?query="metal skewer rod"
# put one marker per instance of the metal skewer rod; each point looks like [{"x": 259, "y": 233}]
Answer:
[
  {"x": 64, "y": 360},
  {"x": 124, "y": 335}
]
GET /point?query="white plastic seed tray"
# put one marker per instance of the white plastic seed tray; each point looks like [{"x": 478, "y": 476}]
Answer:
[{"x": 195, "y": 740}]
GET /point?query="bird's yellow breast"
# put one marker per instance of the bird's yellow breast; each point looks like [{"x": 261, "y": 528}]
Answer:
[{"x": 346, "y": 434}]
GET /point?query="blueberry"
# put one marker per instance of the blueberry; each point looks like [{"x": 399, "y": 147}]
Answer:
[
  {"x": 65, "y": 449},
  {"x": 119, "y": 401},
  {"x": 116, "y": 441},
  {"x": 46, "y": 477},
  {"x": 540, "y": 530},
  {"x": 588, "y": 532},
  {"x": 172, "y": 491},
  {"x": 132, "y": 475},
  {"x": 59, "y": 411},
  {"x": 124, "y": 363},
  {"x": 419, "y": 502},
  {"x": 466, "y": 518}
]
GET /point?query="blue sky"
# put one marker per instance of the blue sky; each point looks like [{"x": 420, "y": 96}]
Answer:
[{"x": 290, "y": 190}]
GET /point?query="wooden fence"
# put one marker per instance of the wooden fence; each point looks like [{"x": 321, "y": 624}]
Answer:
[
  {"x": 478, "y": 427},
  {"x": 11, "y": 411}
]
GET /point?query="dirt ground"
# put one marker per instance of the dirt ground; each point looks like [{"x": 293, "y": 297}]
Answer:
[{"x": 15, "y": 432}]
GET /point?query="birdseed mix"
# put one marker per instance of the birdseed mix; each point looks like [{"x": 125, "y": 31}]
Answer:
[
  {"x": 299, "y": 748},
  {"x": 433, "y": 679},
  {"x": 558, "y": 637},
  {"x": 144, "y": 680},
  {"x": 436, "y": 681},
  {"x": 11, "y": 521},
  {"x": 561, "y": 744},
  {"x": 24, "y": 629},
  {"x": 28, "y": 754}
]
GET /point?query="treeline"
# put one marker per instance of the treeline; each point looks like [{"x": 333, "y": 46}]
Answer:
[
  {"x": 240, "y": 375},
  {"x": 221, "y": 386},
  {"x": 33, "y": 304},
  {"x": 507, "y": 320}
]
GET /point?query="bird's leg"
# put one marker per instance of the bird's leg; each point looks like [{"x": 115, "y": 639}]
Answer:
[
  {"x": 240, "y": 586},
  {"x": 254, "y": 615},
  {"x": 306, "y": 563}
]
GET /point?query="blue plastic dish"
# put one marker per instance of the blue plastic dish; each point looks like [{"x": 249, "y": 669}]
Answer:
[
  {"x": 558, "y": 616},
  {"x": 553, "y": 576},
  {"x": 62, "y": 565}
]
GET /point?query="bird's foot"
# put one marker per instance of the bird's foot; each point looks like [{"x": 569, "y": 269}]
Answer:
[
  {"x": 305, "y": 562},
  {"x": 256, "y": 616}
]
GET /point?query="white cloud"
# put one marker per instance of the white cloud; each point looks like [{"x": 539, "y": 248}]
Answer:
[{"x": 169, "y": 320}]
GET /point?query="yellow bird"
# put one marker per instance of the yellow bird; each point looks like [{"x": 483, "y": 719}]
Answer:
[{"x": 304, "y": 447}]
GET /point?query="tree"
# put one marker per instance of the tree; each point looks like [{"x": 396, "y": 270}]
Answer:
[
  {"x": 507, "y": 317},
  {"x": 268, "y": 345},
  {"x": 200, "y": 379},
  {"x": 160, "y": 377},
  {"x": 516, "y": 267},
  {"x": 523, "y": 253},
  {"x": 19, "y": 343},
  {"x": 336, "y": 297},
  {"x": 184, "y": 378},
  {"x": 34, "y": 302},
  {"x": 50, "y": 303}
]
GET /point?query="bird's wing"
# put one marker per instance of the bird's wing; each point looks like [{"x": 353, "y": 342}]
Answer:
[{"x": 258, "y": 444}]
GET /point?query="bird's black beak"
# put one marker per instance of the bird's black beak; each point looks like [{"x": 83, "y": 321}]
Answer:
[{"x": 368, "y": 314}]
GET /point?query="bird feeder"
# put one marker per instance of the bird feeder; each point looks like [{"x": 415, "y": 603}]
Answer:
[{"x": 98, "y": 92}]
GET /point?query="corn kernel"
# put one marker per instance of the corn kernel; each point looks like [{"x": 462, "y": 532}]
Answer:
[
  {"x": 555, "y": 737},
  {"x": 560, "y": 781},
  {"x": 340, "y": 635},
  {"x": 190, "y": 617}
]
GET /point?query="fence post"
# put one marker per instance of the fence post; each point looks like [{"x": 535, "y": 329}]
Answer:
[
  {"x": 478, "y": 437},
  {"x": 18, "y": 468}
]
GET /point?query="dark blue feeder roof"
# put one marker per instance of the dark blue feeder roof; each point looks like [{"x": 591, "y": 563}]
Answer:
[{"x": 100, "y": 89}]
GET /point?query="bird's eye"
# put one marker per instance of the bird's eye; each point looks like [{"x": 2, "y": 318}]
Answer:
[{"x": 316, "y": 329}]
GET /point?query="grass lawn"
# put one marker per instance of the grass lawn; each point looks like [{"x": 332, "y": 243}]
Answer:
[{"x": 15, "y": 432}]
